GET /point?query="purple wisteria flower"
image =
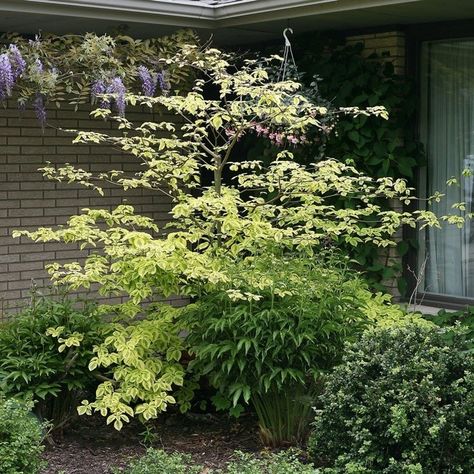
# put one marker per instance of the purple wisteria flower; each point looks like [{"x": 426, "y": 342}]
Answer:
[
  {"x": 118, "y": 89},
  {"x": 40, "y": 109},
  {"x": 148, "y": 82},
  {"x": 17, "y": 61},
  {"x": 164, "y": 86},
  {"x": 6, "y": 76},
  {"x": 99, "y": 88}
]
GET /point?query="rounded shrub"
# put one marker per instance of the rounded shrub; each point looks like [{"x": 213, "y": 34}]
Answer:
[
  {"x": 44, "y": 355},
  {"x": 21, "y": 436},
  {"x": 402, "y": 401}
]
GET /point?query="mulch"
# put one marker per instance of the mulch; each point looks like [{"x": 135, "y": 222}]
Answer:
[{"x": 89, "y": 446}]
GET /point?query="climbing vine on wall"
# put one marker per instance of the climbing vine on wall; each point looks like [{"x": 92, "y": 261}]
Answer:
[{"x": 346, "y": 77}]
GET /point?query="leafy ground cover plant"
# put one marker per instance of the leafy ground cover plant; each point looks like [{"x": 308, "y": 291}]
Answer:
[
  {"x": 44, "y": 355},
  {"x": 159, "y": 462},
  {"x": 401, "y": 402},
  {"x": 463, "y": 319},
  {"x": 21, "y": 436}
]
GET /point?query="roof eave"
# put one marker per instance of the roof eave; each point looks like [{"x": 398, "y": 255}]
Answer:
[{"x": 188, "y": 13}]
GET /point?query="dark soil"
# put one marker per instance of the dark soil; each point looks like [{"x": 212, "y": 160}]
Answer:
[{"x": 91, "y": 447}]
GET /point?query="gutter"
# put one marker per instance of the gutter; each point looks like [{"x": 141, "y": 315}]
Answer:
[{"x": 190, "y": 13}]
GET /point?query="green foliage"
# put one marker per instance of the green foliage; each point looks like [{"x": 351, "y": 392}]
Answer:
[
  {"x": 219, "y": 231},
  {"x": 144, "y": 357},
  {"x": 159, "y": 462},
  {"x": 342, "y": 75},
  {"x": 347, "y": 77},
  {"x": 270, "y": 351},
  {"x": 45, "y": 352},
  {"x": 278, "y": 463},
  {"x": 380, "y": 310},
  {"x": 21, "y": 436},
  {"x": 401, "y": 402},
  {"x": 448, "y": 319},
  {"x": 65, "y": 68}
]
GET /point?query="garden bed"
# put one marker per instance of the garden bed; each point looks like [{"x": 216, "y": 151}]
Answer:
[{"x": 92, "y": 447}]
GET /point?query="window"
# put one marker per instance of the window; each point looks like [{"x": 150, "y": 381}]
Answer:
[{"x": 447, "y": 130}]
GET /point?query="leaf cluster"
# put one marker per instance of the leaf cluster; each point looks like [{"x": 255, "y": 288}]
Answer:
[
  {"x": 462, "y": 319},
  {"x": 158, "y": 462},
  {"x": 287, "y": 335},
  {"x": 71, "y": 64},
  {"x": 144, "y": 356},
  {"x": 346, "y": 76}
]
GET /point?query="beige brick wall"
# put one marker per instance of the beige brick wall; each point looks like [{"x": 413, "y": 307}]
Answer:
[
  {"x": 390, "y": 44},
  {"x": 27, "y": 200}
]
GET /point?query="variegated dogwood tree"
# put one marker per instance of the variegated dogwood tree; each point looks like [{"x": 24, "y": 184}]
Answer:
[{"x": 276, "y": 210}]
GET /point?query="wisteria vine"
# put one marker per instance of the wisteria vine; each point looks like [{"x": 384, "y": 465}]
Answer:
[{"x": 109, "y": 91}]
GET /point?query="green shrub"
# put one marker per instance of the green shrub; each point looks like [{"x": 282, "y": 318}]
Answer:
[
  {"x": 20, "y": 438},
  {"x": 449, "y": 319},
  {"x": 49, "y": 365},
  {"x": 157, "y": 461},
  {"x": 270, "y": 351},
  {"x": 401, "y": 402}
]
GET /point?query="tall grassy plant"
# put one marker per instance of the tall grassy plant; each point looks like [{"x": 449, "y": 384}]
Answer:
[
  {"x": 284, "y": 414},
  {"x": 269, "y": 352}
]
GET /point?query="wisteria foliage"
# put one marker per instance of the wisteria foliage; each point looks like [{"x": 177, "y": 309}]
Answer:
[{"x": 76, "y": 69}]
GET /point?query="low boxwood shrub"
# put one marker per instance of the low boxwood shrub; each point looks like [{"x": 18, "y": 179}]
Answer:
[
  {"x": 21, "y": 435},
  {"x": 44, "y": 355},
  {"x": 402, "y": 401}
]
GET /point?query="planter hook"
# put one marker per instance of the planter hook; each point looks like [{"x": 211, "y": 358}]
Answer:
[{"x": 288, "y": 58}]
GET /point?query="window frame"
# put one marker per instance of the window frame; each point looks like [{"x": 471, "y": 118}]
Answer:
[{"x": 416, "y": 35}]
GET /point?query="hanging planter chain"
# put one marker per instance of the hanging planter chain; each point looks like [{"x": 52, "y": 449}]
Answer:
[{"x": 288, "y": 58}]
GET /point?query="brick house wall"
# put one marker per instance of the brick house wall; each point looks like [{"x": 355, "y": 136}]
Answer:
[
  {"x": 390, "y": 44},
  {"x": 27, "y": 200}
]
